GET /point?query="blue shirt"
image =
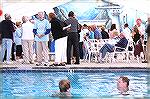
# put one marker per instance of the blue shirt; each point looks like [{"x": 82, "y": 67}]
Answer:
[
  {"x": 97, "y": 34},
  {"x": 91, "y": 35},
  {"x": 17, "y": 36},
  {"x": 42, "y": 27}
]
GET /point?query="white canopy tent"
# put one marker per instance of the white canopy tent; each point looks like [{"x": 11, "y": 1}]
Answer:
[{"x": 18, "y": 8}]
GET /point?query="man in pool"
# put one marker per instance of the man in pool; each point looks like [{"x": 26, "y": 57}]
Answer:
[
  {"x": 64, "y": 86},
  {"x": 123, "y": 85}
]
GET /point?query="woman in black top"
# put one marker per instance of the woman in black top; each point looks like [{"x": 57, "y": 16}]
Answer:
[
  {"x": 105, "y": 34},
  {"x": 136, "y": 35},
  {"x": 60, "y": 37}
]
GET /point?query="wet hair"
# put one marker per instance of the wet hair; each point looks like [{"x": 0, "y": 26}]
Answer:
[
  {"x": 71, "y": 14},
  {"x": 64, "y": 85},
  {"x": 52, "y": 15},
  {"x": 125, "y": 79},
  {"x": 113, "y": 26}
]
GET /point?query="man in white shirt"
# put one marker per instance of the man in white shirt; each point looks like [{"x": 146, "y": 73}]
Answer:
[
  {"x": 27, "y": 40},
  {"x": 141, "y": 28}
]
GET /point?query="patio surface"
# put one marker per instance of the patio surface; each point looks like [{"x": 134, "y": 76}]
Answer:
[{"x": 82, "y": 65}]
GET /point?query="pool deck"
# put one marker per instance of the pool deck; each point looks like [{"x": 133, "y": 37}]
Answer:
[{"x": 82, "y": 65}]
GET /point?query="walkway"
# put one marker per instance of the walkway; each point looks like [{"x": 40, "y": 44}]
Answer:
[{"x": 83, "y": 65}]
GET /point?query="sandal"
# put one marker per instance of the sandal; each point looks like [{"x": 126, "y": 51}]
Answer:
[
  {"x": 62, "y": 64},
  {"x": 54, "y": 64}
]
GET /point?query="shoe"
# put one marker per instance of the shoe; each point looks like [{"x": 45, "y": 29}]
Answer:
[
  {"x": 31, "y": 62},
  {"x": 45, "y": 64},
  {"x": 38, "y": 64},
  {"x": 62, "y": 64},
  {"x": 54, "y": 64},
  {"x": 51, "y": 65},
  {"x": 144, "y": 61}
]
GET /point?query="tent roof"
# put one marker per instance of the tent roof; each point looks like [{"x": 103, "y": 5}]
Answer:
[{"x": 140, "y": 5}]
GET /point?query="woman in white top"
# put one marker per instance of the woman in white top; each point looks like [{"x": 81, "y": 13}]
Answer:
[
  {"x": 113, "y": 33},
  {"x": 27, "y": 40}
]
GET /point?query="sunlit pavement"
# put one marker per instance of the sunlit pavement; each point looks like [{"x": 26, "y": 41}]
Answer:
[{"x": 83, "y": 65}]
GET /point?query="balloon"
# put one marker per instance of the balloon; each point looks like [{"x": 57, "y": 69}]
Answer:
[{"x": 1, "y": 12}]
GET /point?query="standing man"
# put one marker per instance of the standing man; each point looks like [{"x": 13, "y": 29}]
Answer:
[
  {"x": 41, "y": 30},
  {"x": 27, "y": 40},
  {"x": 7, "y": 29},
  {"x": 148, "y": 40},
  {"x": 73, "y": 38},
  {"x": 140, "y": 26}
]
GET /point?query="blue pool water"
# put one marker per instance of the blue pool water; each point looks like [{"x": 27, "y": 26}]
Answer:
[{"x": 83, "y": 84}]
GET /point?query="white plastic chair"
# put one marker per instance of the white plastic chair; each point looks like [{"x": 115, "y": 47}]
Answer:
[
  {"x": 124, "y": 53},
  {"x": 91, "y": 49},
  {"x": 131, "y": 50}
]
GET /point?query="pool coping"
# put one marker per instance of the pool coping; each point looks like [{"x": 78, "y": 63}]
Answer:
[{"x": 76, "y": 69}]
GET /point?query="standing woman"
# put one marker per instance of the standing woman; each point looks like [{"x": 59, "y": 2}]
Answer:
[
  {"x": 17, "y": 39},
  {"x": 73, "y": 38},
  {"x": 113, "y": 33},
  {"x": 60, "y": 38},
  {"x": 135, "y": 34}
]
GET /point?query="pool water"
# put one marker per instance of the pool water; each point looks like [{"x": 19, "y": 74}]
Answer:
[{"x": 83, "y": 84}]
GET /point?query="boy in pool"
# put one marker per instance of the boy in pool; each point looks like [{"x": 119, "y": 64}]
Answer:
[{"x": 64, "y": 86}]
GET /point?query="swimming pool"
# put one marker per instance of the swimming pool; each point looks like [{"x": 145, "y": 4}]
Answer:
[{"x": 84, "y": 83}]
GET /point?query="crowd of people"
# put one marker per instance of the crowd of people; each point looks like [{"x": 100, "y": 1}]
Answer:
[
  {"x": 31, "y": 36},
  {"x": 122, "y": 37}
]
